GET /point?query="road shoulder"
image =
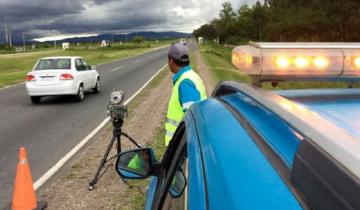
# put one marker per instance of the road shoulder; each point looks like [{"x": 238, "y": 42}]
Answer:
[{"x": 146, "y": 117}]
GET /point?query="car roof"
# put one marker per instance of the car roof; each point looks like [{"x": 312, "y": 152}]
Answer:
[
  {"x": 61, "y": 57},
  {"x": 339, "y": 106},
  {"x": 234, "y": 166},
  {"x": 313, "y": 124}
]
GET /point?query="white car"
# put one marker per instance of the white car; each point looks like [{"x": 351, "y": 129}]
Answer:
[{"x": 61, "y": 76}]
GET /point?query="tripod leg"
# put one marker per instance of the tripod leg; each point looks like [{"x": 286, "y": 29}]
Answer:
[
  {"x": 119, "y": 151},
  {"x": 118, "y": 144},
  {"x": 131, "y": 139},
  {"x": 93, "y": 182}
]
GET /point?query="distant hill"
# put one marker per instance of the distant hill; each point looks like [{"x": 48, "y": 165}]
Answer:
[{"x": 148, "y": 35}]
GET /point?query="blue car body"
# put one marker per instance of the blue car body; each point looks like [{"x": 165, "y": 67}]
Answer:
[
  {"x": 247, "y": 153},
  {"x": 233, "y": 165}
]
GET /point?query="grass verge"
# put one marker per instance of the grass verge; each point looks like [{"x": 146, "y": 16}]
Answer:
[
  {"x": 193, "y": 63},
  {"x": 135, "y": 194},
  {"x": 218, "y": 60}
]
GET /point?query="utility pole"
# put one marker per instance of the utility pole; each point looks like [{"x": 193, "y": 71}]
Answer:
[
  {"x": 6, "y": 33},
  {"x": 125, "y": 37},
  {"x": 23, "y": 37},
  {"x": 54, "y": 43},
  {"x": 10, "y": 39},
  {"x": 112, "y": 38}
]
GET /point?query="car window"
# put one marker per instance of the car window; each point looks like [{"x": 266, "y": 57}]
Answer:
[
  {"x": 46, "y": 64},
  {"x": 173, "y": 159},
  {"x": 79, "y": 65},
  {"x": 178, "y": 203},
  {"x": 87, "y": 67}
]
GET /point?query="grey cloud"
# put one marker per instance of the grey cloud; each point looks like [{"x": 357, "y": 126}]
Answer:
[
  {"x": 15, "y": 11},
  {"x": 103, "y": 1},
  {"x": 116, "y": 24},
  {"x": 45, "y": 17}
]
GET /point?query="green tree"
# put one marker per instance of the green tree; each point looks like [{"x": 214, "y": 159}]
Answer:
[
  {"x": 259, "y": 19},
  {"x": 5, "y": 47},
  {"x": 286, "y": 20},
  {"x": 227, "y": 13},
  {"x": 138, "y": 39},
  {"x": 245, "y": 23},
  {"x": 207, "y": 31},
  {"x": 225, "y": 25}
]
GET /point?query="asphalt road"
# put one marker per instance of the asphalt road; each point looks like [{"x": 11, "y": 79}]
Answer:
[{"x": 51, "y": 129}]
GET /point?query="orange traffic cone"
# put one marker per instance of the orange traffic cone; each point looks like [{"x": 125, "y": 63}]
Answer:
[{"x": 24, "y": 197}]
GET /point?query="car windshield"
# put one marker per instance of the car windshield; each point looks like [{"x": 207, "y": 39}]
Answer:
[{"x": 53, "y": 64}]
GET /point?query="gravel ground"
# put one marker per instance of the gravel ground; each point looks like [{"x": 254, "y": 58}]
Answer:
[{"x": 146, "y": 120}]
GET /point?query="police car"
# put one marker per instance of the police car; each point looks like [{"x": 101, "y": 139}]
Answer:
[{"x": 250, "y": 148}]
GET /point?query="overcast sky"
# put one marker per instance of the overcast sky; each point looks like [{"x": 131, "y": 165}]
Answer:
[{"x": 42, "y": 18}]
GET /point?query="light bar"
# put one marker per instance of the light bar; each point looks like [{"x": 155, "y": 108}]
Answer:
[
  {"x": 352, "y": 62},
  {"x": 305, "y": 45},
  {"x": 299, "y": 61}
]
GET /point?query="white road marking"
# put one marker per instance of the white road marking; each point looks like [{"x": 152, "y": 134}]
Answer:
[
  {"x": 138, "y": 61},
  {"x": 63, "y": 160},
  {"x": 10, "y": 86},
  {"x": 118, "y": 68}
]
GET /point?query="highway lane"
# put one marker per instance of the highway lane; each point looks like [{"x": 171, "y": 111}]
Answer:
[{"x": 51, "y": 129}]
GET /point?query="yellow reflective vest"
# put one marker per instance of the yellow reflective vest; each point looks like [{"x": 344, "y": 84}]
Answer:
[
  {"x": 175, "y": 111},
  {"x": 136, "y": 163}
]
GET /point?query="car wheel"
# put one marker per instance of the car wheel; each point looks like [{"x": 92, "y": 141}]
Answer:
[
  {"x": 96, "y": 89},
  {"x": 80, "y": 95},
  {"x": 35, "y": 99}
]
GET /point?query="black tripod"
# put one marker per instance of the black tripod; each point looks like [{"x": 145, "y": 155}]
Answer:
[{"x": 117, "y": 133}]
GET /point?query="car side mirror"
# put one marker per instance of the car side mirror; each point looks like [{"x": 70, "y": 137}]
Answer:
[
  {"x": 135, "y": 164},
  {"x": 92, "y": 67},
  {"x": 178, "y": 184}
]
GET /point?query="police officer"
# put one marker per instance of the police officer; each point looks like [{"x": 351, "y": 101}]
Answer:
[{"x": 188, "y": 88}]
